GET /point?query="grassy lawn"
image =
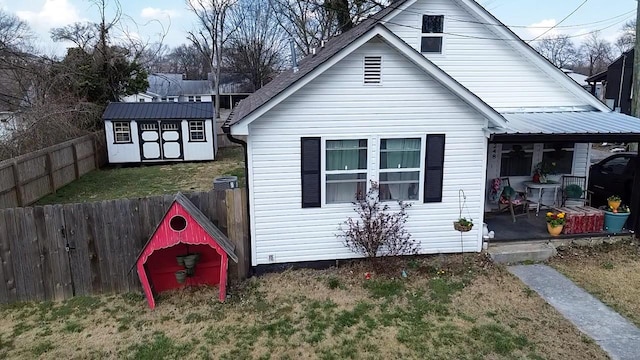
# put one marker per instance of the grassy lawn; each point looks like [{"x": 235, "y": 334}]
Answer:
[
  {"x": 609, "y": 272},
  {"x": 139, "y": 181},
  {"x": 442, "y": 310}
]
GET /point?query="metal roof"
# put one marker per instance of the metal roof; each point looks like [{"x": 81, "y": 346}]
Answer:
[
  {"x": 158, "y": 110},
  {"x": 570, "y": 122}
]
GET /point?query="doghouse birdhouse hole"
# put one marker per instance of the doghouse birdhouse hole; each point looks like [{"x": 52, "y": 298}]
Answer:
[{"x": 178, "y": 223}]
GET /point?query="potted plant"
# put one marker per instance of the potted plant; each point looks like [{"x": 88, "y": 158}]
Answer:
[
  {"x": 615, "y": 218},
  {"x": 542, "y": 170},
  {"x": 181, "y": 275},
  {"x": 555, "y": 223},
  {"x": 463, "y": 224},
  {"x": 614, "y": 202}
]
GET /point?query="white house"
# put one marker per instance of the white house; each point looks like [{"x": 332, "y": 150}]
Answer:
[
  {"x": 159, "y": 132},
  {"x": 427, "y": 98}
]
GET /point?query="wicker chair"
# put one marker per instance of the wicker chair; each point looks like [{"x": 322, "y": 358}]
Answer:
[{"x": 574, "y": 188}]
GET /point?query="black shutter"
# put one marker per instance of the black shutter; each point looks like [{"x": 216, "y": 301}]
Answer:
[
  {"x": 434, "y": 165},
  {"x": 310, "y": 171}
]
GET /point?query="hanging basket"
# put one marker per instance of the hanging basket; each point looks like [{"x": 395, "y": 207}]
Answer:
[
  {"x": 462, "y": 228},
  {"x": 181, "y": 275}
]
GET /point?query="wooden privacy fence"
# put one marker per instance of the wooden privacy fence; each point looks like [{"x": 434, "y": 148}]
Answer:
[
  {"x": 54, "y": 252},
  {"x": 27, "y": 178}
]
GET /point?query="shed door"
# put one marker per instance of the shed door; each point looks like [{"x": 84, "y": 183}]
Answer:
[
  {"x": 149, "y": 140},
  {"x": 171, "y": 135},
  {"x": 160, "y": 140}
]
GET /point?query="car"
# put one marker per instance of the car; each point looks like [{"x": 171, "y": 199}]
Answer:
[{"x": 612, "y": 176}]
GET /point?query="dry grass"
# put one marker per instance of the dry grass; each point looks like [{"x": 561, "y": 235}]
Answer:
[
  {"x": 442, "y": 310},
  {"x": 147, "y": 180},
  {"x": 609, "y": 272}
]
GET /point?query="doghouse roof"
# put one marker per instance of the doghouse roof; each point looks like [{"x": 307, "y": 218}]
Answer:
[
  {"x": 158, "y": 110},
  {"x": 204, "y": 222}
]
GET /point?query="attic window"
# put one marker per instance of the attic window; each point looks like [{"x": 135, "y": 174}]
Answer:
[
  {"x": 372, "y": 69},
  {"x": 432, "y": 34}
]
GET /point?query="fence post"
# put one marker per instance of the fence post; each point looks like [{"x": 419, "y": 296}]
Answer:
[
  {"x": 16, "y": 182},
  {"x": 237, "y": 229},
  {"x": 76, "y": 168},
  {"x": 49, "y": 170}
]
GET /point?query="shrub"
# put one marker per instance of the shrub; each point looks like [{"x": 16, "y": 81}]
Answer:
[{"x": 377, "y": 231}]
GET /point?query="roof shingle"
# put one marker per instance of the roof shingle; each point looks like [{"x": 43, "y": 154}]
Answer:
[{"x": 158, "y": 110}]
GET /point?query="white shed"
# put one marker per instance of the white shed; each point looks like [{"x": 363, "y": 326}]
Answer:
[{"x": 159, "y": 132}]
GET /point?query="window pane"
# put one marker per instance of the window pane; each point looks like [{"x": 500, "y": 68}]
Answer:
[
  {"x": 616, "y": 166},
  {"x": 346, "y": 154},
  {"x": 432, "y": 23},
  {"x": 516, "y": 160},
  {"x": 560, "y": 158},
  {"x": 431, "y": 44},
  {"x": 399, "y": 185},
  {"x": 399, "y": 153},
  {"x": 344, "y": 188}
]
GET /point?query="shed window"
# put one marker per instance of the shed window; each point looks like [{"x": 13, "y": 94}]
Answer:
[
  {"x": 122, "y": 132},
  {"x": 196, "y": 131},
  {"x": 198, "y": 98},
  {"x": 432, "y": 34},
  {"x": 346, "y": 170},
  {"x": 400, "y": 169},
  {"x": 190, "y": 98}
]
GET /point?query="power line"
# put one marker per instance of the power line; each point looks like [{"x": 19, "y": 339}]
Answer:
[{"x": 561, "y": 21}]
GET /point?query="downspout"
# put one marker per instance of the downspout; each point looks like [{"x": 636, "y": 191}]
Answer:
[{"x": 227, "y": 130}]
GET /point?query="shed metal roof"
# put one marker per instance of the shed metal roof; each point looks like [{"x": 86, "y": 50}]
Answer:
[
  {"x": 158, "y": 110},
  {"x": 571, "y": 122}
]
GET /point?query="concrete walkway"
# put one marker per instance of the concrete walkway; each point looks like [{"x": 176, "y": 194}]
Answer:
[{"x": 615, "y": 334}]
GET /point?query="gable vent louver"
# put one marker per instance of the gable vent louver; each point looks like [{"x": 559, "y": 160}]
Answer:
[{"x": 372, "y": 69}]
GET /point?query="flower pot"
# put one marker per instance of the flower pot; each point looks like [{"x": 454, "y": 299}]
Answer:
[
  {"x": 614, "y": 222},
  {"x": 614, "y": 204},
  {"x": 180, "y": 260},
  {"x": 191, "y": 260},
  {"x": 181, "y": 275},
  {"x": 554, "y": 230}
]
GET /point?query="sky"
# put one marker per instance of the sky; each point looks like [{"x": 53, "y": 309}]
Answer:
[{"x": 148, "y": 19}]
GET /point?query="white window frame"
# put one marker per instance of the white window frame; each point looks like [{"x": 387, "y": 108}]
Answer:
[
  {"x": 441, "y": 35},
  {"x": 419, "y": 169},
  {"x": 122, "y": 128},
  {"x": 197, "y": 123},
  {"x": 373, "y": 164}
]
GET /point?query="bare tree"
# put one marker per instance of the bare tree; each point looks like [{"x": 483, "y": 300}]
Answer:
[
  {"x": 187, "y": 59},
  {"x": 558, "y": 49},
  {"x": 82, "y": 35},
  {"x": 597, "y": 53},
  {"x": 308, "y": 22},
  {"x": 256, "y": 48},
  {"x": 627, "y": 40},
  {"x": 212, "y": 35},
  {"x": 15, "y": 34}
]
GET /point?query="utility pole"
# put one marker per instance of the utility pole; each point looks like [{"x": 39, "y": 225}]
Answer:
[{"x": 635, "y": 98}]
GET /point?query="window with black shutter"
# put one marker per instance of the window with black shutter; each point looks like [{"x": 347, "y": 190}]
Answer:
[
  {"x": 434, "y": 168},
  {"x": 310, "y": 171}
]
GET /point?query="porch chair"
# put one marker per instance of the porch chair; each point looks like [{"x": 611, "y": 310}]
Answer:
[
  {"x": 574, "y": 188},
  {"x": 509, "y": 198}
]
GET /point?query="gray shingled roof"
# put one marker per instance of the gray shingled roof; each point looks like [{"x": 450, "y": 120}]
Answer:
[
  {"x": 306, "y": 65},
  {"x": 158, "y": 110}
]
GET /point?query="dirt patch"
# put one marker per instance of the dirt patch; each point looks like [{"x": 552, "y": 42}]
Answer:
[
  {"x": 414, "y": 308},
  {"x": 611, "y": 272}
]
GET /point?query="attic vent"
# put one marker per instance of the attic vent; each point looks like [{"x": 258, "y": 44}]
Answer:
[{"x": 372, "y": 69}]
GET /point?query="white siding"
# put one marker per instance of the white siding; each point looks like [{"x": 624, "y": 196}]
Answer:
[
  {"x": 122, "y": 153},
  {"x": 338, "y": 104},
  {"x": 492, "y": 69},
  {"x": 198, "y": 150}
]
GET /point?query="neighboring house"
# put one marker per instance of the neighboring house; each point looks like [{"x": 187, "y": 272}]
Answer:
[
  {"x": 165, "y": 87},
  {"x": 427, "y": 98},
  {"x": 582, "y": 81},
  {"x": 159, "y": 132},
  {"x": 617, "y": 83}
]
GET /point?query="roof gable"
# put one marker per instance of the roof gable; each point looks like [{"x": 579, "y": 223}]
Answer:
[
  {"x": 465, "y": 31},
  {"x": 202, "y": 221},
  {"x": 248, "y": 111}
]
